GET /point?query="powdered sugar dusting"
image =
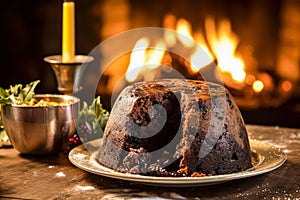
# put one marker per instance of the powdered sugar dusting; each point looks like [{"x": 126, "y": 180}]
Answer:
[
  {"x": 60, "y": 174},
  {"x": 83, "y": 188},
  {"x": 79, "y": 156}
]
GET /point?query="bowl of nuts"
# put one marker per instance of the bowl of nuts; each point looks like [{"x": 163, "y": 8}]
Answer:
[
  {"x": 38, "y": 124},
  {"x": 42, "y": 127}
]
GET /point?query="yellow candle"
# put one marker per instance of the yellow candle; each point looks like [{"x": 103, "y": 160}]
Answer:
[{"x": 68, "y": 31}]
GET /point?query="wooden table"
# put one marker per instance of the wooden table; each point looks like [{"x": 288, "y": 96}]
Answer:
[{"x": 28, "y": 177}]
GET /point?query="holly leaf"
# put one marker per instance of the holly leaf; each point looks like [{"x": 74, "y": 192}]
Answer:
[
  {"x": 92, "y": 120},
  {"x": 15, "y": 94}
]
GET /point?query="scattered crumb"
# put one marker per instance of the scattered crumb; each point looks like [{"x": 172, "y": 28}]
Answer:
[
  {"x": 83, "y": 188},
  {"x": 79, "y": 156},
  {"x": 60, "y": 174}
]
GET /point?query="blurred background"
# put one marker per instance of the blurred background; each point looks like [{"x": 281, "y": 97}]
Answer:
[{"x": 261, "y": 41}]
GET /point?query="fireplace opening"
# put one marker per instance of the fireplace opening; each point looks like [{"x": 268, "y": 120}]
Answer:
[{"x": 255, "y": 45}]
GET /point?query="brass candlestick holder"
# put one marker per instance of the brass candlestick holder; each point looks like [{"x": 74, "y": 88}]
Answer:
[{"x": 66, "y": 72}]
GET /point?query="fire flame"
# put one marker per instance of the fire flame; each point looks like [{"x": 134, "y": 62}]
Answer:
[
  {"x": 223, "y": 43},
  {"x": 184, "y": 31},
  {"x": 219, "y": 43},
  {"x": 169, "y": 36},
  {"x": 197, "y": 58},
  {"x": 143, "y": 59}
]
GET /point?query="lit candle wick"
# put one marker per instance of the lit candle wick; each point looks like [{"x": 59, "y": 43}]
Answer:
[{"x": 68, "y": 32}]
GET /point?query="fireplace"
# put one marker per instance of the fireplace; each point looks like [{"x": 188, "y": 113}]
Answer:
[
  {"x": 255, "y": 45},
  {"x": 261, "y": 39}
]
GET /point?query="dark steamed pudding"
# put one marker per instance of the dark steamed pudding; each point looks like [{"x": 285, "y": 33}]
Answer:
[{"x": 175, "y": 127}]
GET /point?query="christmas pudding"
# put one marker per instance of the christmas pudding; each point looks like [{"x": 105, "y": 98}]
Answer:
[{"x": 175, "y": 127}]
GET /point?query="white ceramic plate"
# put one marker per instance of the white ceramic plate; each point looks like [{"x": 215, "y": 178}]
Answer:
[{"x": 265, "y": 158}]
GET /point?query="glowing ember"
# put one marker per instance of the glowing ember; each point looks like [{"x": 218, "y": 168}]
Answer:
[
  {"x": 250, "y": 79},
  {"x": 286, "y": 85},
  {"x": 258, "y": 86}
]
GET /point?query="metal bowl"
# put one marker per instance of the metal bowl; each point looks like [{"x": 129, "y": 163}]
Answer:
[{"x": 41, "y": 130}]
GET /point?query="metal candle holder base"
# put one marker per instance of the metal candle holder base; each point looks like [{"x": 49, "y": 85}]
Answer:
[{"x": 66, "y": 72}]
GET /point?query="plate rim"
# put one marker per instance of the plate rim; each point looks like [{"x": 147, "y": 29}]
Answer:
[{"x": 261, "y": 167}]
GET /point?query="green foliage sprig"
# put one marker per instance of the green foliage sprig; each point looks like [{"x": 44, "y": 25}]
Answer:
[
  {"x": 17, "y": 94},
  {"x": 93, "y": 118}
]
